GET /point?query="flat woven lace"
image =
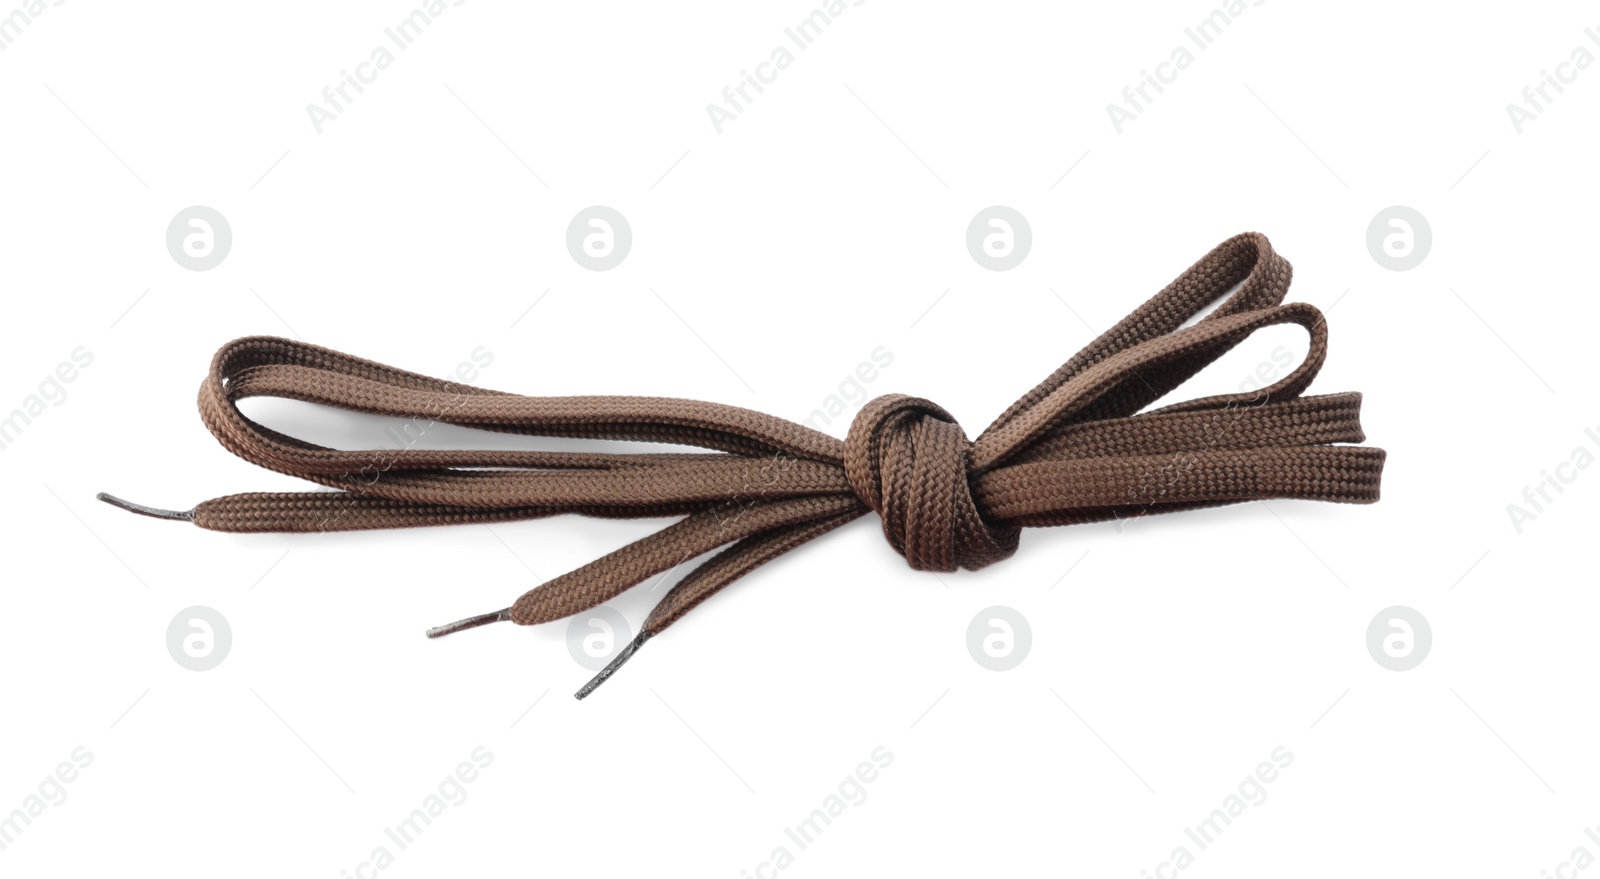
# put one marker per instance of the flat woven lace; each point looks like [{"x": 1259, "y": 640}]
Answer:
[{"x": 1077, "y": 448}]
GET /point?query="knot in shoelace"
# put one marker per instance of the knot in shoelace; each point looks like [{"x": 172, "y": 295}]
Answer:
[
  {"x": 1077, "y": 448},
  {"x": 909, "y": 461}
]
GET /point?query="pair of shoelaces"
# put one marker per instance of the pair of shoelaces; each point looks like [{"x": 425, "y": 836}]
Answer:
[{"x": 1077, "y": 448}]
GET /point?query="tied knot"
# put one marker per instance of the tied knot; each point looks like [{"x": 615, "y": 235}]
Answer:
[{"x": 908, "y": 460}]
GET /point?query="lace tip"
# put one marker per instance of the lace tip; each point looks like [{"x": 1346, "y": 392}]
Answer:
[
  {"x": 141, "y": 509},
  {"x": 482, "y": 619},
  {"x": 611, "y": 667}
]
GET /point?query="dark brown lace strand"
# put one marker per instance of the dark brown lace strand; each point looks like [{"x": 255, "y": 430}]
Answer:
[{"x": 1079, "y": 447}]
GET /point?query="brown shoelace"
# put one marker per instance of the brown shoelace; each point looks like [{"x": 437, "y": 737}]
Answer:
[{"x": 1071, "y": 450}]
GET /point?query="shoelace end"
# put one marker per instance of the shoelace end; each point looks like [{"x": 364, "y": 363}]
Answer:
[
  {"x": 141, "y": 509},
  {"x": 611, "y": 668},
  {"x": 482, "y": 619}
]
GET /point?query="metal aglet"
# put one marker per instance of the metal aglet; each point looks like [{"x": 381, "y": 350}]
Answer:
[
  {"x": 141, "y": 509},
  {"x": 482, "y": 619},
  {"x": 611, "y": 668}
]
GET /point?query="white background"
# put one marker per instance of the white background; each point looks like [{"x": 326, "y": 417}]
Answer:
[{"x": 768, "y": 261}]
